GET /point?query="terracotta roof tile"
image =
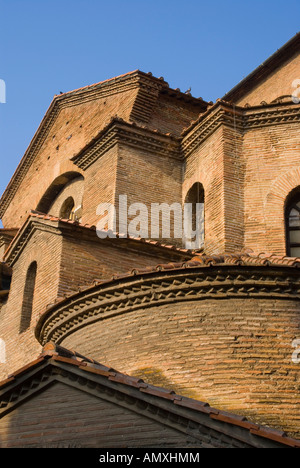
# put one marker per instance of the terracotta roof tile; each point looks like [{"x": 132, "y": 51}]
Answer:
[
  {"x": 196, "y": 405},
  {"x": 197, "y": 261},
  {"x": 35, "y": 214},
  {"x": 58, "y": 354}
]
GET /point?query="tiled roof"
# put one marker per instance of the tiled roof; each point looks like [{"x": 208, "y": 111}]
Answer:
[
  {"x": 91, "y": 227},
  {"x": 149, "y": 75},
  {"x": 58, "y": 354},
  {"x": 84, "y": 88},
  {"x": 199, "y": 260},
  {"x": 64, "y": 99},
  {"x": 244, "y": 258}
]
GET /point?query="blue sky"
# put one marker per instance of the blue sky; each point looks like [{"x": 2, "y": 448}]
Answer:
[{"x": 48, "y": 46}]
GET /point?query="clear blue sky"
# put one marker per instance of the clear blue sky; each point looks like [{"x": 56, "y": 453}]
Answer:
[{"x": 48, "y": 46}]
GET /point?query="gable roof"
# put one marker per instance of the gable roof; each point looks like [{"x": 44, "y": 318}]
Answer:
[
  {"x": 148, "y": 89},
  {"x": 37, "y": 220},
  {"x": 260, "y": 73},
  {"x": 33, "y": 378}
]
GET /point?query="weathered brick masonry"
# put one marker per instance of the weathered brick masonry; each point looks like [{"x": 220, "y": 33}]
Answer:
[{"x": 215, "y": 323}]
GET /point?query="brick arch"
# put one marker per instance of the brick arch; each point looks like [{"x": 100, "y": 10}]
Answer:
[
  {"x": 188, "y": 184},
  {"x": 195, "y": 194},
  {"x": 274, "y": 208},
  {"x": 56, "y": 187}
]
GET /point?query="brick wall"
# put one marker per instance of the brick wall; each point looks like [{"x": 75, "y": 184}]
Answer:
[
  {"x": 100, "y": 185},
  {"x": 45, "y": 249},
  {"x": 206, "y": 165},
  {"x": 86, "y": 258},
  {"x": 247, "y": 176},
  {"x": 271, "y": 158},
  {"x": 278, "y": 84},
  {"x": 72, "y": 129},
  {"x": 64, "y": 417},
  {"x": 173, "y": 115},
  {"x": 236, "y": 354},
  {"x": 146, "y": 177}
]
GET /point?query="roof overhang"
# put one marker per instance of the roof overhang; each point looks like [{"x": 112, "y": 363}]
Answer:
[
  {"x": 57, "y": 226},
  {"x": 282, "y": 55},
  {"x": 149, "y": 88},
  {"x": 57, "y": 364}
]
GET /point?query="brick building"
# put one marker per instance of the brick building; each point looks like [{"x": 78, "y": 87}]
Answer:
[{"x": 214, "y": 321}]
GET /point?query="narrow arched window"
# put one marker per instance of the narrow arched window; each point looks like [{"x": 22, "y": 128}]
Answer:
[
  {"x": 292, "y": 222},
  {"x": 28, "y": 296},
  {"x": 194, "y": 217},
  {"x": 67, "y": 209}
]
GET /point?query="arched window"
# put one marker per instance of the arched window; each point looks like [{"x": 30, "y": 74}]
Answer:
[
  {"x": 292, "y": 222},
  {"x": 194, "y": 217},
  {"x": 67, "y": 209},
  {"x": 28, "y": 297},
  {"x": 60, "y": 190}
]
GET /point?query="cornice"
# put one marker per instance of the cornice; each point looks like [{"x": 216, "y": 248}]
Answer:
[
  {"x": 149, "y": 88},
  {"x": 123, "y": 83},
  {"x": 29, "y": 156},
  {"x": 59, "y": 226},
  {"x": 218, "y": 115},
  {"x": 241, "y": 119},
  {"x": 20, "y": 241},
  {"x": 56, "y": 364},
  {"x": 7, "y": 235},
  {"x": 189, "y": 281},
  {"x": 129, "y": 134}
]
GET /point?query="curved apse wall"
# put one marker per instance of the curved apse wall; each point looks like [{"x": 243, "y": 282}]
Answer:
[{"x": 219, "y": 330}]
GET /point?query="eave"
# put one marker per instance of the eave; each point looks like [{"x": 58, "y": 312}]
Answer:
[
  {"x": 149, "y": 89},
  {"x": 130, "y": 134},
  {"x": 281, "y": 56},
  {"x": 238, "y": 118}
]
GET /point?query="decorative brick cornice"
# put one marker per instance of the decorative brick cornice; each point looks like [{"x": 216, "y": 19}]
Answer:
[
  {"x": 218, "y": 115},
  {"x": 20, "y": 241},
  {"x": 29, "y": 156},
  {"x": 271, "y": 115},
  {"x": 7, "y": 236},
  {"x": 215, "y": 278},
  {"x": 58, "y": 226},
  {"x": 58, "y": 364},
  {"x": 238, "y": 118},
  {"x": 148, "y": 88},
  {"x": 121, "y": 132}
]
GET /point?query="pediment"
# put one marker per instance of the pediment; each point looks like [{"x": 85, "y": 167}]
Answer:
[
  {"x": 63, "y": 389},
  {"x": 74, "y": 119}
]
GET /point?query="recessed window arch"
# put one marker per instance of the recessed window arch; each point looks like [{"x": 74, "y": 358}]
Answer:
[
  {"x": 67, "y": 210},
  {"x": 194, "y": 216},
  {"x": 67, "y": 184},
  {"x": 28, "y": 297},
  {"x": 292, "y": 223}
]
